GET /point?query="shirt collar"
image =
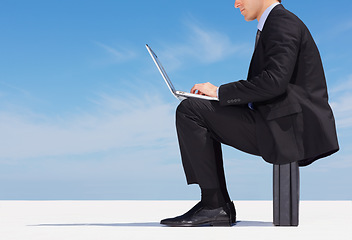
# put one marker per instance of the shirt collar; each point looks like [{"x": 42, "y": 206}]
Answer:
[{"x": 265, "y": 16}]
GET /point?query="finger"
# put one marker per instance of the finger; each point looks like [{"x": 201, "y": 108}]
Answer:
[
  {"x": 194, "y": 89},
  {"x": 200, "y": 93}
]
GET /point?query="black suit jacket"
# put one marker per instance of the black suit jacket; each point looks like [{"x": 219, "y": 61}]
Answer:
[{"x": 287, "y": 86}]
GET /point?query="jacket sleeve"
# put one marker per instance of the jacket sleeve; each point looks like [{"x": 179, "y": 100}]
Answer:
[{"x": 272, "y": 64}]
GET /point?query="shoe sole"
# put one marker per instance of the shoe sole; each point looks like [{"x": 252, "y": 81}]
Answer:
[{"x": 205, "y": 224}]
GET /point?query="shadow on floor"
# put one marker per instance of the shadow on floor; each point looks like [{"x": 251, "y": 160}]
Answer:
[{"x": 147, "y": 224}]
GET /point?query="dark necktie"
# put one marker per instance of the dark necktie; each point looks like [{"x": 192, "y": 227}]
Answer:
[
  {"x": 257, "y": 38},
  {"x": 250, "y": 105}
]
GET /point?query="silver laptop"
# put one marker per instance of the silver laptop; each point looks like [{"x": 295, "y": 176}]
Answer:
[{"x": 178, "y": 94}]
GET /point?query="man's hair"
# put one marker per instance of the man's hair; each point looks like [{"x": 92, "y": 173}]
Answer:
[{"x": 279, "y": 1}]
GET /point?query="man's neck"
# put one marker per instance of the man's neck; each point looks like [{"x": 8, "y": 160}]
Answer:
[{"x": 266, "y": 4}]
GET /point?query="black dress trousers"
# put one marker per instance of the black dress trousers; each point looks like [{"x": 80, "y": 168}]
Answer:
[{"x": 202, "y": 126}]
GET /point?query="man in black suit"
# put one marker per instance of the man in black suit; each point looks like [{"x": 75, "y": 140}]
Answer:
[{"x": 280, "y": 112}]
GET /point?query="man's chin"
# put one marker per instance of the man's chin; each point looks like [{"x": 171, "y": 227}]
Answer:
[{"x": 249, "y": 19}]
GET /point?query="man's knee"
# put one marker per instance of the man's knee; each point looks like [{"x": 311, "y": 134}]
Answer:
[
  {"x": 181, "y": 110},
  {"x": 185, "y": 106},
  {"x": 194, "y": 104},
  {"x": 194, "y": 108}
]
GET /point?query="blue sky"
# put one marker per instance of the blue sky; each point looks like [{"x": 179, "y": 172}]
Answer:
[{"x": 84, "y": 113}]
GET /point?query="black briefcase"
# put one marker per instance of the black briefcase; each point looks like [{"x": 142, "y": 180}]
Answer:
[{"x": 286, "y": 194}]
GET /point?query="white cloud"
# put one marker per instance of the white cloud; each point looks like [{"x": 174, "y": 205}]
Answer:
[
  {"x": 210, "y": 46},
  {"x": 345, "y": 86},
  {"x": 342, "y": 109},
  {"x": 119, "y": 55},
  {"x": 118, "y": 123},
  {"x": 12, "y": 87},
  {"x": 203, "y": 45},
  {"x": 341, "y": 104},
  {"x": 340, "y": 28}
]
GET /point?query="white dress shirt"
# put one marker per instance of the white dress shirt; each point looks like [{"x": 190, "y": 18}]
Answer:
[{"x": 265, "y": 16}]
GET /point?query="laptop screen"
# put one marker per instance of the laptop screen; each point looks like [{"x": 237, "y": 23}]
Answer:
[{"x": 161, "y": 69}]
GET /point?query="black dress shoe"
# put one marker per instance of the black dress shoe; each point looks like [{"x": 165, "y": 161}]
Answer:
[{"x": 201, "y": 216}]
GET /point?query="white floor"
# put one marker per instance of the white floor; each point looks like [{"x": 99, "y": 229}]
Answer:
[{"x": 120, "y": 220}]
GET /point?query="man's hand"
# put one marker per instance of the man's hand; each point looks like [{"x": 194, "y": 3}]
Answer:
[{"x": 206, "y": 89}]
